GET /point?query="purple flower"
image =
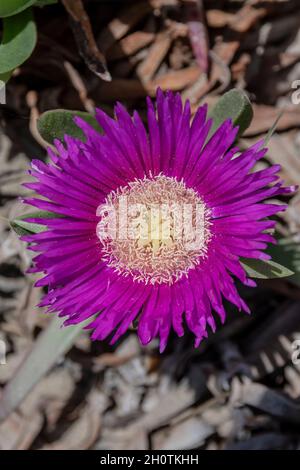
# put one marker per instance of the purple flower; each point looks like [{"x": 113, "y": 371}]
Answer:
[{"x": 201, "y": 199}]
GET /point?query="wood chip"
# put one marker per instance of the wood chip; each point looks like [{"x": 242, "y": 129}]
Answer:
[
  {"x": 130, "y": 45},
  {"x": 265, "y": 116},
  {"x": 147, "y": 68},
  {"x": 122, "y": 24}
]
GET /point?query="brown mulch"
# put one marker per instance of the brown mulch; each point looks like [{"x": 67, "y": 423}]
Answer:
[{"x": 239, "y": 389}]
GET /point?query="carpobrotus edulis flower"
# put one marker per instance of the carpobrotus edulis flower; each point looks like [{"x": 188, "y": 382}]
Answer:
[{"x": 152, "y": 223}]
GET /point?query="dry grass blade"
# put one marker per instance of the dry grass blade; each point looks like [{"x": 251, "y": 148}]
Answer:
[{"x": 51, "y": 344}]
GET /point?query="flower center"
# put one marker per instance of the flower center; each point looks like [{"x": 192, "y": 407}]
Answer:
[{"x": 154, "y": 229}]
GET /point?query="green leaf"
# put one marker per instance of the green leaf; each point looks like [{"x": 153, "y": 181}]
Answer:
[
  {"x": 236, "y": 105},
  {"x": 56, "y": 123},
  {"x": 287, "y": 252},
  {"x": 262, "y": 269},
  {"x": 4, "y": 77},
  {"x": 12, "y": 7},
  {"x": 22, "y": 227},
  {"x": 18, "y": 42},
  {"x": 44, "y": 3},
  {"x": 52, "y": 343}
]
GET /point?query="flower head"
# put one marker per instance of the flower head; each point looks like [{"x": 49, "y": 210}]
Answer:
[{"x": 152, "y": 223}]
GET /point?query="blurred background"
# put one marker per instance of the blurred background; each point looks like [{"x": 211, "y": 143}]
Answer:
[{"x": 240, "y": 389}]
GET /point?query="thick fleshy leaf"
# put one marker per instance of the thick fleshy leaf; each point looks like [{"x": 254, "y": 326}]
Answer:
[
  {"x": 12, "y": 7},
  {"x": 262, "y": 269},
  {"x": 18, "y": 41},
  {"x": 55, "y": 124},
  {"x": 4, "y": 77},
  {"x": 44, "y": 3},
  {"x": 234, "y": 104},
  {"x": 287, "y": 251},
  {"x": 53, "y": 343},
  {"x": 22, "y": 227}
]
